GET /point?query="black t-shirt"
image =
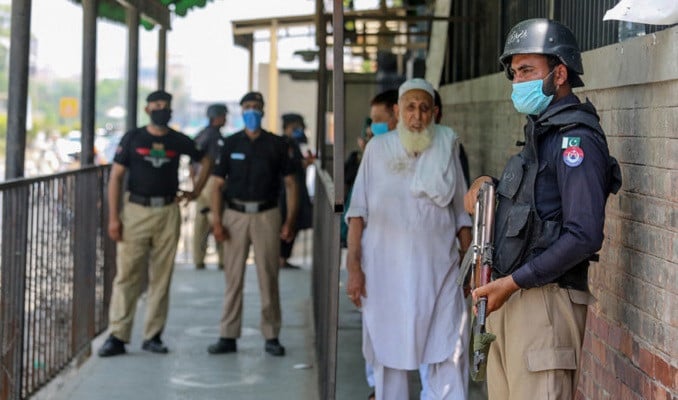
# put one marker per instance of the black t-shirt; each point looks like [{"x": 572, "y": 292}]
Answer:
[
  {"x": 210, "y": 140},
  {"x": 153, "y": 161},
  {"x": 254, "y": 168}
]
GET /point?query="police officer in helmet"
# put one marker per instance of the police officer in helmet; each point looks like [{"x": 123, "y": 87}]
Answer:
[{"x": 549, "y": 219}]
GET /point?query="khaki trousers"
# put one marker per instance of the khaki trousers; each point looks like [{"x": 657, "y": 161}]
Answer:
[
  {"x": 201, "y": 226},
  {"x": 262, "y": 230},
  {"x": 539, "y": 338},
  {"x": 150, "y": 236}
]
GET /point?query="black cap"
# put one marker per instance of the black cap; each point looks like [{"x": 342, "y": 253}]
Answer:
[
  {"x": 217, "y": 110},
  {"x": 291, "y": 118},
  {"x": 158, "y": 95},
  {"x": 253, "y": 96}
]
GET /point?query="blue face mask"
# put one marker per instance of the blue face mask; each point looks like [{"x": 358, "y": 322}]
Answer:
[
  {"x": 379, "y": 128},
  {"x": 529, "y": 97},
  {"x": 298, "y": 133},
  {"x": 252, "y": 119}
]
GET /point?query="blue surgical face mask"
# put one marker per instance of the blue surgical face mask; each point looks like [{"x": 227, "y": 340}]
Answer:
[
  {"x": 379, "y": 128},
  {"x": 298, "y": 133},
  {"x": 529, "y": 97},
  {"x": 252, "y": 119}
]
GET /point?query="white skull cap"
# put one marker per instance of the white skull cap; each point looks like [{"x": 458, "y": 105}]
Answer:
[{"x": 414, "y": 84}]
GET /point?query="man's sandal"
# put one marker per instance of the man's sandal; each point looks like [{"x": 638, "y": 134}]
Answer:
[{"x": 371, "y": 396}]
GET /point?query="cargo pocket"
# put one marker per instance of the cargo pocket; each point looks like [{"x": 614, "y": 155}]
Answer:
[{"x": 550, "y": 359}]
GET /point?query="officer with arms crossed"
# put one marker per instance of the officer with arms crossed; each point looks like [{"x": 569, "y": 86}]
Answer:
[
  {"x": 549, "y": 219},
  {"x": 255, "y": 162},
  {"x": 148, "y": 230}
]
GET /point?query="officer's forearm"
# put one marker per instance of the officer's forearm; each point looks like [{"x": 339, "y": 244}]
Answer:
[
  {"x": 216, "y": 200},
  {"x": 292, "y": 197},
  {"x": 205, "y": 171},
  {"x": 114, "y": 187}
]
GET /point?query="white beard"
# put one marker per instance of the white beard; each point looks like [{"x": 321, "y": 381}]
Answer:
[{"x": 415, "y": 142}]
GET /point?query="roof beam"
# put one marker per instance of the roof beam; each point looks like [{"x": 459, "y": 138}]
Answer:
[{"x": 153, "y": 10}]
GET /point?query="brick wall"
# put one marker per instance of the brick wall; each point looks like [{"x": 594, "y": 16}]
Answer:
[{"x": 631, "y": 342}]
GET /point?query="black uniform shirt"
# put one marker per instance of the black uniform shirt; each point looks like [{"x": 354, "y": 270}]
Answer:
[
  {"x": 210, "y": 140},
  {"x": 153, "y": 161},
  {"x": 254, "y": 168},
  {"x": 574, "y": 192}
]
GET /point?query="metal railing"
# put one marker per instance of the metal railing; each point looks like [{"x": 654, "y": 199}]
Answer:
[
  {"x": 56, "y": 270},
  {"x": 325, "y": 285}
]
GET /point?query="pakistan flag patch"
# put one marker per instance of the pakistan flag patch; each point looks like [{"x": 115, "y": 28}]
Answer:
[{"x": 569, "y": 141}]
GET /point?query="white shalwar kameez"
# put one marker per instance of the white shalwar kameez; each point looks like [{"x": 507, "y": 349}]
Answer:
[{"x": 414, "y": 312}]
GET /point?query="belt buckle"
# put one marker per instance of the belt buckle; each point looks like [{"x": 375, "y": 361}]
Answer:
[
  {"x": 251, "y": 207},
  {"x": 156, "y": 201}
]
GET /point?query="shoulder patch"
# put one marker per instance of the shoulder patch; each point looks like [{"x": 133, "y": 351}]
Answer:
[{"x": 573, "y": 156}]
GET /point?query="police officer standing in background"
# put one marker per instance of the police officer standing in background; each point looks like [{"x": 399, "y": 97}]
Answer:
[
  {"x": 293, "y": 132},
  {"x": 549, "y": 219},
  {"x": 210, "y": 140},
  {"x": 147, "y": 232},
  {"x": 255, "y": 163}
]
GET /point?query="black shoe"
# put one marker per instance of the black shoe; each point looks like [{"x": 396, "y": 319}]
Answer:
[
  {"x": 274, "y": 348},
  {"x": 224, "y": 345},
  {"x": 155, "y": 345},
  {"x": 112, "y": 347},
  {"x": 200, "y": 266},
  {"x": 290, "y": 266},
  {"x": 221, "y": 267}
]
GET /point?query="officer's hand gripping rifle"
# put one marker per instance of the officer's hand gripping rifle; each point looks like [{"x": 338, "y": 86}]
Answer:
[{"x": 481, "y": 274}]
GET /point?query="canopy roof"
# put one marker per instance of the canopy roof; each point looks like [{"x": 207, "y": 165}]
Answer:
[{"x": 154, "y": 12}]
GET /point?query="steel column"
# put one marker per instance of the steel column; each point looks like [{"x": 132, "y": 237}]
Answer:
[
  {"x": 88, "y": 91},
  {"x": 132, "y": 67},
  {"x": 20, "y": 40}
]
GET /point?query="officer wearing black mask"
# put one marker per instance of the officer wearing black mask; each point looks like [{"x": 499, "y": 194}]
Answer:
[{"x": 147, "y": 232}]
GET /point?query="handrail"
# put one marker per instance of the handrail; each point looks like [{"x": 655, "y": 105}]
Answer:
[{"x": 56, "y": 271}]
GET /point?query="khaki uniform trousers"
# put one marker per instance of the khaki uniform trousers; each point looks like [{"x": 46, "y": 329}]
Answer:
[
  {"x": 262, "y": 230},
  {"x": 150, "y": 237},
  {"x": 538, "y": 348},
  {"x": 201, "y": 226}
]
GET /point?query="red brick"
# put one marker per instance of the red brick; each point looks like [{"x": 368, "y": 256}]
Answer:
[
  {"x": 626, "y": 344},
  {"x": 661, "y": 394},
  {"x": 579, "y": 395},
  {"x": 662, "y": 371},
  {"x": 598, "y": 349},
  {"x": 627, "y": 394},
  {"x": 614, "y": 336},
  {"x": 646, "y": 361},
  {"x": 647, "y": 386},
  {"x": 587, "y": 340}
]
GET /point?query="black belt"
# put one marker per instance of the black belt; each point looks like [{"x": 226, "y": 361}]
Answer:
[
  {"x": 251, "y": 206},
  {"x": 151, "y": 201}
]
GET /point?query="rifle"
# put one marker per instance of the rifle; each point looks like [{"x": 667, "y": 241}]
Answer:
[{"x": 481, "y": 274}]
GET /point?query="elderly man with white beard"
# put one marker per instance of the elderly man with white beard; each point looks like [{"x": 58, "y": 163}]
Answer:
[{"x": 405, "y": 217}]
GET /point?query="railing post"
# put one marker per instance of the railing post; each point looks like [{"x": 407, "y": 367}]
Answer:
[
  {"x": 84, "y": 259},
  {"x": 13, "y": 289}
]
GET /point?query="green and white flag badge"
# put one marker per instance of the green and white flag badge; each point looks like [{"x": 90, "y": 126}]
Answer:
[{"x": 569, "y": 141}]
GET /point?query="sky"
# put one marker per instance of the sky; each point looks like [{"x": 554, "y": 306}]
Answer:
[{"x": 202, "y": 41}]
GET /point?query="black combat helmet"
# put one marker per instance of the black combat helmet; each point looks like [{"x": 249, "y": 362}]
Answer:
[{"x": 543, "y": 36}]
